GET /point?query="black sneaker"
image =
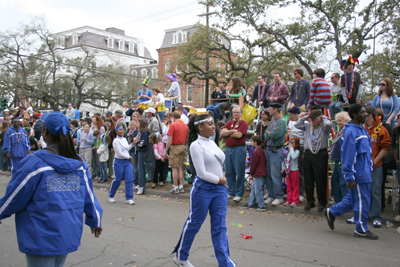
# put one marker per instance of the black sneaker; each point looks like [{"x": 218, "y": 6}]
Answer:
[
  {"x": 261, "y": 208},
  {"x": 309, "y": 206},
  {"x": 321, "y": 208},
  {"x": 368, "y": 235},
  {"x": 330, "y": 218},
  {"x": 249, "y": 206}
]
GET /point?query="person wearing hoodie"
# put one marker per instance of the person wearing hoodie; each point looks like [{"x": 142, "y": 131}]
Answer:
[
  {"x": 48, "y": 194},
  {"x": 16, "y": 144},
  {"x": 356, "y": 158},
  {"x": 380, "y": 144}
]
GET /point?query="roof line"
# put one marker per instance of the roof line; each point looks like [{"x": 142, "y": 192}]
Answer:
[
  {"x": 179, "y": 28},
  {"x": 71, "y": 47}
]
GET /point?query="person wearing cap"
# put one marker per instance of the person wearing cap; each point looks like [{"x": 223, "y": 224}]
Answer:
[
  {"x": 278, "y": 93},
  {"x": 123, "y": 167},
  {"x": 144, "y": 94},
  {"x": 294, "y": 115},
  {"x": 275, "y": 137},
  {"x": 48, "y": 194},
  {"x": 300, "y": 91},
  {"x": 174, "y": 90},
  {"x": 70, "y": 112},
  {"x": 316, "y": 134},
  {"x": 5, "y": 112},
  {"x": 108, "y": 114},
  {"x": 16, "y": 144}
]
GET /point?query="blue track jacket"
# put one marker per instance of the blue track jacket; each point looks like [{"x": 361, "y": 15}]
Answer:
[
  {"x": 11, "y": 145},
  {"x": 49, "y": 194},
  {"x": 356, "y": 154}
]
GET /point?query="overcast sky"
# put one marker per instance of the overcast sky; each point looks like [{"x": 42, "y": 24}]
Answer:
[{"x": 142, "y": 19}]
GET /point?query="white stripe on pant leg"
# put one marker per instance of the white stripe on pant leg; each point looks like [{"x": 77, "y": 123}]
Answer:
[
  {"x": 360, "y": 207},
  {"x": 190, "y": 219}
]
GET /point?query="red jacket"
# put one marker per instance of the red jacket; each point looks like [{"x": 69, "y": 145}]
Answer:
[{"x": 258, "y": 166}]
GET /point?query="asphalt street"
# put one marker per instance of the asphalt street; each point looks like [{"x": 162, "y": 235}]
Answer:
[{"x": 145, "y": 235}]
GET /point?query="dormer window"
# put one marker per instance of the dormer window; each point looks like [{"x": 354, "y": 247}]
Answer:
[
  {"x": 110, "y": 42},
  {"x": 75, "y": 38},
  {"x": 144, "y": 72},
  {"x": 179, "y": 37},
  {"x": 121, "y": 45},
  {"x": 131, "y": 47}
]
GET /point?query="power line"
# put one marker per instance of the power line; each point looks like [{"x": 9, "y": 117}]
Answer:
[{"x": 161, "y": 12}]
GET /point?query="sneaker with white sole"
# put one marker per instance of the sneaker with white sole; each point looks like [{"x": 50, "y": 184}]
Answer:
[
  {"x": 130, "y": 202},
  {"x": 230, "y": 197},
  {"x": 111, "y": 200},
  {"x": 350, "y": 221},
  {"x": 377, "y": 224},
  {"x": 182, "y": 190},
  {"x": 182, "y": 263},
  {"x": 277, "y": 202},
  {"x": 269, "y": 200},
  {"x": 139, "y": 191},
  {"x": 237, "y": 199},
  {"x": 301, "y": 198},
  {"x": 368, "y": 235},
  {"x": 136, "y": 187},
  {"x": 266, "y": 195},
  {"x": 174, "y": 191}
]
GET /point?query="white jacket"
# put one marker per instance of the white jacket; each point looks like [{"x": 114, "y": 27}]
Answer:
[{"x": 103, "y": 152}]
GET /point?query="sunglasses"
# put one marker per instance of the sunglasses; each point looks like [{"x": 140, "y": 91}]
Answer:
[{"x": 382, "y": 84}]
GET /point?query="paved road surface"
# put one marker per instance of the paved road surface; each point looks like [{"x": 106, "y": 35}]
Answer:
[{"x": 279, "y": 239}]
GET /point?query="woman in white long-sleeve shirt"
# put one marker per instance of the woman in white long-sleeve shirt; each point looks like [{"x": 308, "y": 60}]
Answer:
[
  {"x": 208, "y": 194},
  {"x": 122, "y": 167}
]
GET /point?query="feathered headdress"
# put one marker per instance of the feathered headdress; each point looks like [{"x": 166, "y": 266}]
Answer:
[
  {"x": 146, "y": 81},
  {"x": 346, "y": 62}
]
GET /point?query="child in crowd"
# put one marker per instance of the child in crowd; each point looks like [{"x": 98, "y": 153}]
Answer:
[
  {"x": 133, "y": 132},
  {"x": 258, "y": 173},
  {"x": 292, "y": 172},
  {"x": 159, "y": 152},
  {"x": 95, "y": 157},
  {"x": 103, "y": 157}
]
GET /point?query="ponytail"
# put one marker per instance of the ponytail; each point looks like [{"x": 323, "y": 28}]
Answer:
[
  {"x": 66, "y": 147},
  {"x": 194, "y": 129}
]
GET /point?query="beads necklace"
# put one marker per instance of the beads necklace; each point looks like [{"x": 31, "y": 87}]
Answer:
[
  {"x": 348, "y": 93},
  {"x": 261, "y": 93},
  {"x": 315, "y": 138},
  {"x": 391, "y": 108},
  {"x": 298, "y": 88}
]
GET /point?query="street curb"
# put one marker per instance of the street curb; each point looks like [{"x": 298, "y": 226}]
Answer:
[{"x": 279, "y": 208}]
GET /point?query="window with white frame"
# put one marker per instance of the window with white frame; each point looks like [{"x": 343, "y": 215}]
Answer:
[
  {"x": 110, "y": 42},
  {"x": 167, "y": 64},
  {"x": 189, "y": 93},
  {"x": 75, "y": 38},
  {"x": 154, "y": 73},
  {"x": 178, "y": 69},
  {"x": 144, "y": 72},
  {"x": 121, "y": 45},
  {"x": 179, "y": 37},
  {"x": 131, "y": 47},
  {"x": 134, "y": 73}
]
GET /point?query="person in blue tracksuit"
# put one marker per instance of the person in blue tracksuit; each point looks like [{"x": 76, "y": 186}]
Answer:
[
  {"x": 16, "y": 144},
  {"x": 49, "y": 193},
  {"x": 207, "y": 194},
  {"x": 356, "y": 156},
  {"x": 123, "y": 167}
]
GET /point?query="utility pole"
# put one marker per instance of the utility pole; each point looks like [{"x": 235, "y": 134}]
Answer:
[{"x": 207, "y": 14}]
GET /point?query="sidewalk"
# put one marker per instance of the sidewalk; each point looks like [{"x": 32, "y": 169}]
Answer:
[{"x": 164, "y": 192}]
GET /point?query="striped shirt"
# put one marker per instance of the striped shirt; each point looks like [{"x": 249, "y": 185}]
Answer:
[{"x": 320, "y": 93}]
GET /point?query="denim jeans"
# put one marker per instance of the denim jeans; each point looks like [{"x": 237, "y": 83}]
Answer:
[
  {"x": 274, "y": 175},
  {"x": 338, "y": 184},
  {"x": 95, "y": 163},
  {"x": 235, "y": 164},
  {"x": 150, "y": 163},
  {"x": 214, "y": 108},
  {"x": 398, "y": 179},
  {"x": 141, "y": 160},
  {"x": 257, "y": 192},
  {"x": 45, "y": 261},
  {"x": 135, "y": 168},
  {"x": 5, "y": 162},
  {"x": 103, "y": 171},
  {"x": 335, "y": 107},
  {"x": 377, "y": 180}
]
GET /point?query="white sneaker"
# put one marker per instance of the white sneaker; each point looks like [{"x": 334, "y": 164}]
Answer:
[
  {"x": 230, "y": 197},
  {"x": 266, "y": 195},
  {"x": 397, "y": 218},
  {"x": 130, "y": 202},
  {"x": 276, "y": 202},
  {"x": 111, "y": 200},
  {"x": 181, "y": 190},
  {"x": 269, "y": 200},
  {"x": 301, "y": 198},
  {"x": 237, "y": 199},
  {"x": 182, "y": 263},
  {"x": 140, "y": 191},
  {"x": 113, "y": 176},
  {"x": 136, "y": 187}
]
